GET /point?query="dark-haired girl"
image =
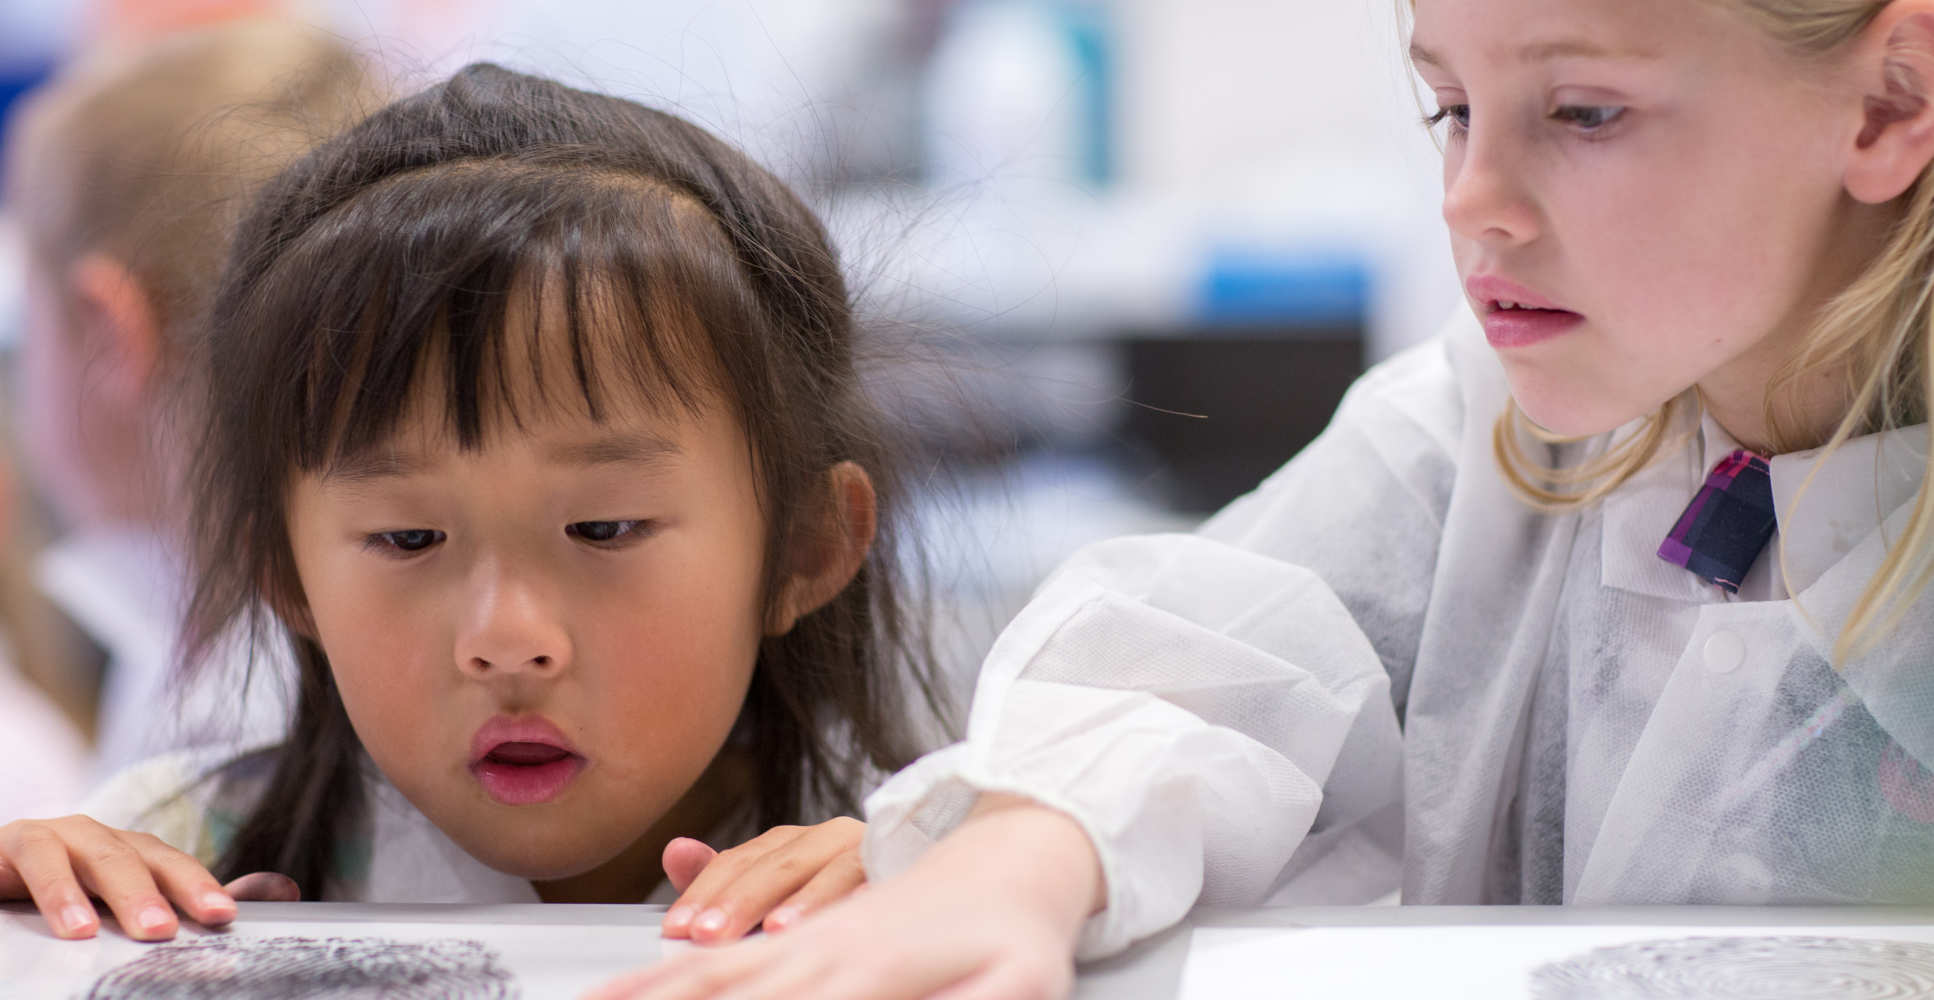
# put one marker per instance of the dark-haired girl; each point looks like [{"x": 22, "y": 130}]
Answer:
[{"x": 532, "y": 427}]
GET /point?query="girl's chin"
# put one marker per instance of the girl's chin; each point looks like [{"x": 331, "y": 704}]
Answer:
[
  {"x": 1572, "y": 412},
  {"x": 537, "y": 855}
]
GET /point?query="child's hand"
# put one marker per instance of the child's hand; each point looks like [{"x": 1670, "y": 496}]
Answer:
[
  {"x": 58, "y": 862},
  {"x": 993, "y": 910},
  {"x": 772, "y": 880}
]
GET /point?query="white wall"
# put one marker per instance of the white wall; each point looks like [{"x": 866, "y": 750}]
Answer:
[{"x": 1287, "y": 100}]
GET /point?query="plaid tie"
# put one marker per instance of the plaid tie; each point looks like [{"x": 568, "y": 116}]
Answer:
[{"x": 1727, "y": 523}]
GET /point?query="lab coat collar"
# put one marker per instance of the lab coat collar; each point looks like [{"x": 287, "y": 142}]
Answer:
[
  {"x": 1823, "y": 520},
  {"x": 1851, "y": 492},
  {"x": 1640, "y": 513}
]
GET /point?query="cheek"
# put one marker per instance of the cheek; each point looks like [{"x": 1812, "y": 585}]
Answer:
[
  {"x": 678, "y": 643},
  {"x": 379, "y": 649},
  {"x": 1697, "y": 227}
]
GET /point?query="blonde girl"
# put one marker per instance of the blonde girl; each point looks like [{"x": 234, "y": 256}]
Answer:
[{"x": 1615, "y": 593}]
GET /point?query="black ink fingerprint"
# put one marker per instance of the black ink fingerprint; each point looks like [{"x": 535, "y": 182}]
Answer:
[
  {"x": 1743, "y": 968},
  {"x": 286, "y": 968}
]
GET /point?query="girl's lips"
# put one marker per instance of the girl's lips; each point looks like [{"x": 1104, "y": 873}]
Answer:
[
  {"x": 1508, "y": 328},
  {"x": 523, "y": 761},
  {"x": 523, "y": 777},
  {"x": 1530, "y": 318}
]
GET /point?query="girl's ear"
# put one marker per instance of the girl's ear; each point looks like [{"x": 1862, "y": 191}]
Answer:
[
  {"x": 116, "y": 316},
  {"x": 829, "y": 548},
  {"x": 1896, "y": 138}
]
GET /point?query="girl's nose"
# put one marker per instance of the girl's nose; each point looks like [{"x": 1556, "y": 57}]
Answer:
[
  {"x": 511, "y": 629},
  {"x": 1484, "y": 195}
]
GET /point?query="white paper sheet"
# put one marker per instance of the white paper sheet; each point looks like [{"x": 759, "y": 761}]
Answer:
[
  {"x": 1499, "y": 962},
  {"x": 540, "y": 952}
]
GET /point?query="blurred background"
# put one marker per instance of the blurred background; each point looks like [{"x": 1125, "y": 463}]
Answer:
[{"x": 1124, "y": 256}]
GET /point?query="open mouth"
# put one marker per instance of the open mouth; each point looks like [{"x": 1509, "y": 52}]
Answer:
[
  {"x": 521, "y": 774},
  {"x": 1513, "y": 307},
  {"x": 523, "y": 762},
  {"x": 1510, "y": 323}
]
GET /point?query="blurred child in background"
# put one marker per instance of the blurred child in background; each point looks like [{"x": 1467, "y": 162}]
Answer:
[{"x": 126, "y": 174}]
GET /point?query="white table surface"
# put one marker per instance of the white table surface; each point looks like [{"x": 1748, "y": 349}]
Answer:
[{"x": 1354, "y": 952}]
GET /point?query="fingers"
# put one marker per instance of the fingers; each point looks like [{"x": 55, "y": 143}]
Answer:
[
  {"x": 739, "y": 887},
  {"x": 684, "y": 860},
  {"x": 38, "y": 858},
  {"x": 787, "y": 969},
  {"x": 183, "y": 880},
  {"x": 838, "y": 879},
  {"x": 1007, "y": 981},
  {"x": 111, "y": 868},
  {"x": 265, "y": 887},
  {"x": 59, "y": 862},
  {"x": 686, "y": 977}
]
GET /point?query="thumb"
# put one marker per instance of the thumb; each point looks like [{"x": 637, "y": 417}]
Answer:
[
  {"x": 12, "y": 886},
  {"x": 684, "y": 859},
  {"x": 264, "y": 887}
]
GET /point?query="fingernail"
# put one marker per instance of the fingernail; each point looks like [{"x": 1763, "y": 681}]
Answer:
[
  {"x": 782, "y": 918},
  {"x": 76, "y": 918},
  {"x": 218, "y": 904},
  {"x": 153, "y": 918},
  {"x": 711, "y": 922},
  {"x": 678, "y": 918}
]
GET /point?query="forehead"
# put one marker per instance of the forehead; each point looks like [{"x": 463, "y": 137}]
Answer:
[
  {"x": 1462, "y": 35},
  {"x": 572, "y": 363}
]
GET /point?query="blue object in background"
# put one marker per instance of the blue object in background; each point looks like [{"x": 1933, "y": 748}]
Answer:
[
  {"x": 1090, "y": 39},
  {"x": 1256, "y": 287},
  {"x": 17, "y": 79}
]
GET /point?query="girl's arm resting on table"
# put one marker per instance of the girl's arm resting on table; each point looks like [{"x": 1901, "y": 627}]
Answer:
[
  {"x": 57, "y": 863},
  {"x": 1185, "y": 702},
  {"x": 1202, "y": 704},
  {"x": 991, "y": 911}
]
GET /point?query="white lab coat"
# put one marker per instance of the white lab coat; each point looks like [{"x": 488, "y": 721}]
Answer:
[{"x": 1382, "y": 645}]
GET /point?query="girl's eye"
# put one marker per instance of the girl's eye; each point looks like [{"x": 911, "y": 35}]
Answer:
[
  {"x": 404, "y": 542},
  {"x": 1459, "y": 115},
  {"x": 1588, "y": 118},
  {"x": 607, "y": 532}
]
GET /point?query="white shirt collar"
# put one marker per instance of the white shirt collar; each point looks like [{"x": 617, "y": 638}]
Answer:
[{"x": 1852, "y": 492}]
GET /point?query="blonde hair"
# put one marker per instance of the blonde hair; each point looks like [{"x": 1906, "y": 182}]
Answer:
[
  {"x": 1872, "y": 339},
  {"x": 150, "y": 154}
]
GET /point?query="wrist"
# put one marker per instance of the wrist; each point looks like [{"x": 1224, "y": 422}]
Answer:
[{"x": 1034, "y": 851}]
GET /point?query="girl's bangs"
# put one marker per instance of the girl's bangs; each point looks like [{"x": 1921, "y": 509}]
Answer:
[{"x": 510, "y": 292}]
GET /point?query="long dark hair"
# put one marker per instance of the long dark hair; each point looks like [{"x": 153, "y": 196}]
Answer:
[{"x": 386, "y": 261}]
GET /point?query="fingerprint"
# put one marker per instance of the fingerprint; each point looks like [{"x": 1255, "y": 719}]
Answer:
[
  {"x": 1743, "y": 968},
  {"x": 285, "y": 968}
]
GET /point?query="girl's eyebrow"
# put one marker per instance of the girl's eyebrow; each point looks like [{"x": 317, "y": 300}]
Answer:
[
  {"x": 614, "y": 449},
  {"x": 1545, "y": 51},
  {"x": 621, "y": 448},
  {"x": 361, "y": 470}
]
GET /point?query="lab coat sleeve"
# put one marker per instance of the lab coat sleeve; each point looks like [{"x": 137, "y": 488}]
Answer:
[{"x": 1200, "y": 704}]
